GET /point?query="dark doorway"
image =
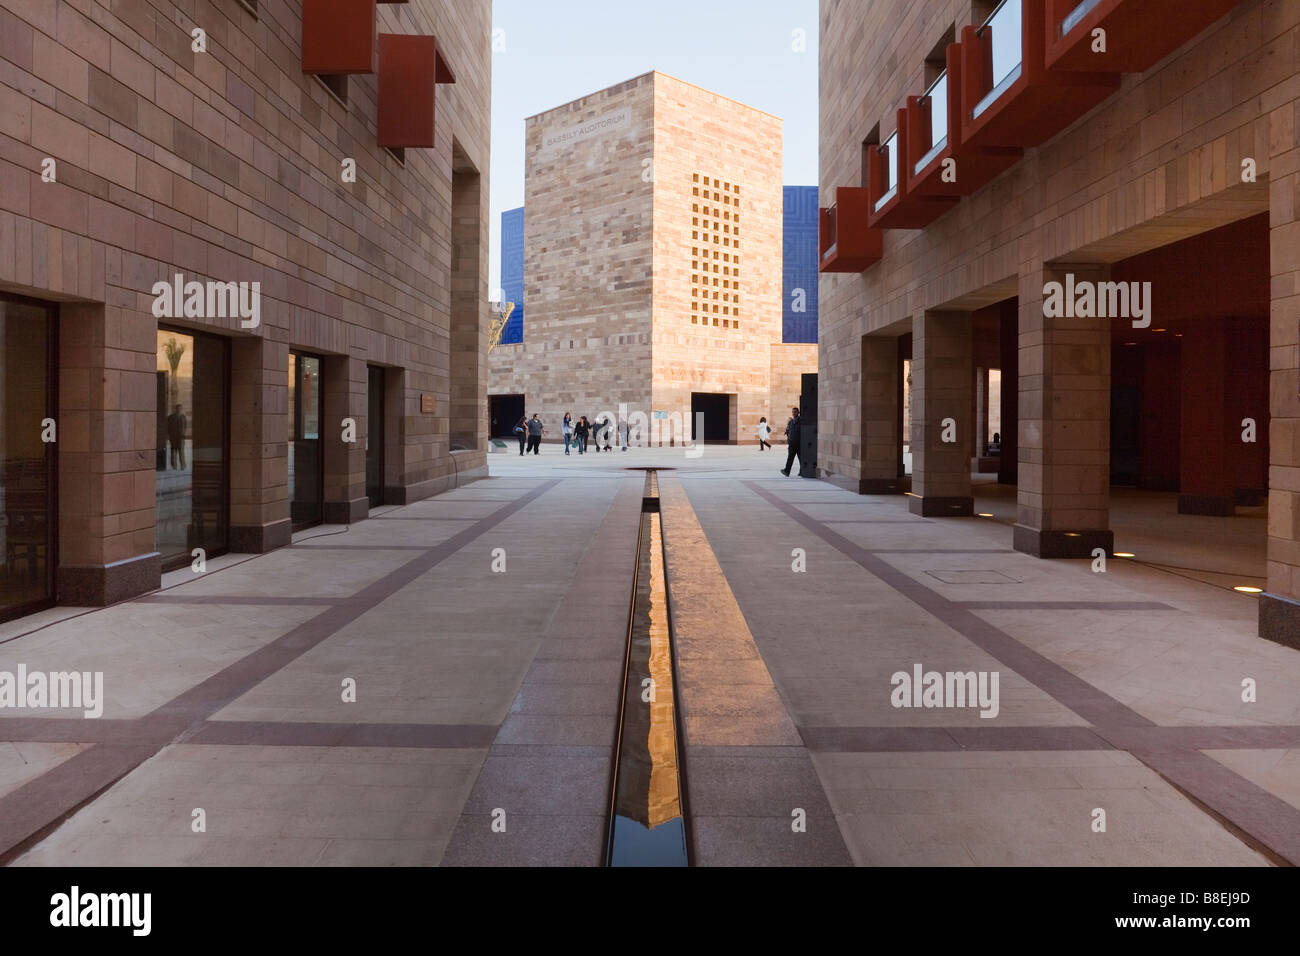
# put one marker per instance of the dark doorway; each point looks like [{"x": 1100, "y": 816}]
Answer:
[
  {"x": 505, "y": 411},
  {"x": 306, "y": 463},
  {"x": 716, "y": 409},
  {"x": 28, "y": 466},
  {"x": 1125, "y": 435},
  {"x": 808, "y": 426},
  {"x": 375, "y": 434}
]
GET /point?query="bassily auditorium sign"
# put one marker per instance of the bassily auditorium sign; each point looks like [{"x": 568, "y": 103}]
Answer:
[{"x": 614, "y": 122}]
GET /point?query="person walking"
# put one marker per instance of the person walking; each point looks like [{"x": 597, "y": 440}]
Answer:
[
  {"x": 793, "y": 432},
  {"x": 521, "y": 432},
  {"x": 566, "y": 428},
  {"x": 595, "y": 433},
  {"x": 535, "y": 432},
  {"x": 581, "y": 431},
  {"x": 176, "y": 425},
  {"x": 764, "y": 431}
]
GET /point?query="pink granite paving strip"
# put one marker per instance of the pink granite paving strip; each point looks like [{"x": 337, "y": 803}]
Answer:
[
  {"x": 1266, "y": 820},
  {"x": 47, "y": 799}
]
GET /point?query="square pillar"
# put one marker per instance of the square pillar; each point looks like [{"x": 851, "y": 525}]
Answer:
[
  {"x": 343, "y": 393},
  {"x": 882, "y": 395},
  {"x": 942, "y": 366},
  {"x": 1205, "y": 480},
  {"x": 1063, "y": 479},
  {"x": 1279, "y": 606},
  {"x": 1009, "y": 346},
  {"x": 259, "y": 445},
  {"x": 106, "y": 435},
  {"x": 980, "y": 436}
]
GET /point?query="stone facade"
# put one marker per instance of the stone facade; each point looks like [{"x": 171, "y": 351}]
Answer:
[
  {"x": 1160, "y": 160},
  {"x": 225, "y": 165},
  {"x": 631, "y": 194}
]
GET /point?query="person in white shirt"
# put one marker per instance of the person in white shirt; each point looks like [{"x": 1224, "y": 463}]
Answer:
[{"x": 764, "y": 430}]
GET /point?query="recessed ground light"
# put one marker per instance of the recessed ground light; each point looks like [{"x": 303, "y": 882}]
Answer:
[
  {"x": 1159, "y": 330},
  {"x": 1130, "y": 343},
  {"x": 1248, "y": 590},
  {"x": 1125, "y": 554},
  {"x": 985, "y": 514},
  {"x": 1073, "y": 534}
]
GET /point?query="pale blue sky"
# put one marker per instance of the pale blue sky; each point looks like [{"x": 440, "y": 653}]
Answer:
[{"x": 558, "y": 50}]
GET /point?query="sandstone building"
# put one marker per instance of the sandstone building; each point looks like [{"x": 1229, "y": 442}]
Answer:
[
  {"x": 652, "y": 267},
  {"x": 241, "y": 277},
  {"x": 1096, "y": 199}
]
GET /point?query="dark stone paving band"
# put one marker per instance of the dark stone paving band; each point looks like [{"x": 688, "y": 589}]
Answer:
[
  {"x": 935, "y": 739},
  {"x": 242, "y": 599},
  {"x": 1258, "y": 816},
  {"x": 309, "y": 734},
  {"x": 27, "y": 810},
  {"x": 1064, "y": 606}
]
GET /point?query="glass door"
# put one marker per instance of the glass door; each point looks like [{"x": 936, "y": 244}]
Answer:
[
  {"x": 306, "y": 462},
  {"x": 191, "y": 463},
  {"x": 28, "y": 466}
]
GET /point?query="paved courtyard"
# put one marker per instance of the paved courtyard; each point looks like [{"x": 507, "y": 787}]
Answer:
[{"x": 440, "y": 685}]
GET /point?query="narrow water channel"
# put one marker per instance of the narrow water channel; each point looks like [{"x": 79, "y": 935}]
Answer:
[{"x": 647, "y": 814}]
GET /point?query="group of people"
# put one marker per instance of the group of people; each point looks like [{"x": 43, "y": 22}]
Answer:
[{"x": 529, "y": 431}]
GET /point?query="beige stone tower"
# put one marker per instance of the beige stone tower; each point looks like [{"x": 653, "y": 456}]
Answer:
[{"x": 652, "y": 269}]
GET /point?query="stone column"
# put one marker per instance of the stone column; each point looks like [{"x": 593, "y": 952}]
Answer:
[
  {"x": 1063, "y": 497},
  {"x": 343, "y": 396},
  {"x": 941, "y": 409},
  {"x": 107, "y": 445},
  {"x": 1279, "y": 606},
  {"x": 1205, "y": 479},
  {"x": 1009, "y": 345},
  {"x": 882, "y": 393},
  {"x": 259, "y": 445},
  {"x": 981, "y": 417}
]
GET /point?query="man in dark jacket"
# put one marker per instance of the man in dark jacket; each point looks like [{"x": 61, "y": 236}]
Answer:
[
  {"x": 535, "y": 432},
  {"x": 792, "y": 434}
]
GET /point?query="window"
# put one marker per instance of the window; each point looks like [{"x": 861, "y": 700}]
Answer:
[
  {"x": 1004, "y": 30},
  {"x": 336, "y": 84}
]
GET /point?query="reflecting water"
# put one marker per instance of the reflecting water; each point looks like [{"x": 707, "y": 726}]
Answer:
[{"x": 648, "y": 827}]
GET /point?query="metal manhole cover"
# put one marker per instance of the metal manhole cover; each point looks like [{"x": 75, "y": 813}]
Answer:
[{"x": 974, "y": 577}]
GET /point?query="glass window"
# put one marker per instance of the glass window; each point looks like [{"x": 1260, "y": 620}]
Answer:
[
  {"x": 306, "y": 461},
  {"x": 191, "y": 471},
  {"x": 27, "y": 460},
  {"x": 889, "y": 151},
  {"x": 1004, "y": 30}
]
